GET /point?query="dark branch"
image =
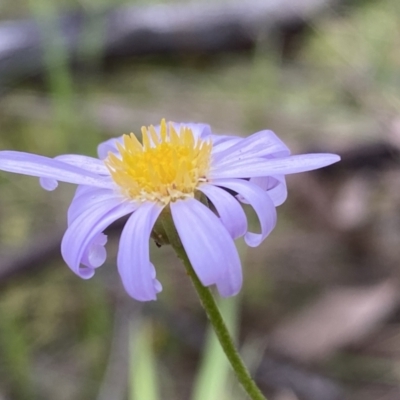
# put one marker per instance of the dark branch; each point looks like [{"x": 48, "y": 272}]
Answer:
[{"x": 137, "y": 31}]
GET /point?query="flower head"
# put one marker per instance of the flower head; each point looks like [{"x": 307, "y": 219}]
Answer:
[
  {"x": 172, "y": 167},
  {"x": 168, "y": 166}
]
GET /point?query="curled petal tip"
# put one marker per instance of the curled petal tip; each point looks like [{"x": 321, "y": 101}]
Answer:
[{"x": 48, "y": 184}]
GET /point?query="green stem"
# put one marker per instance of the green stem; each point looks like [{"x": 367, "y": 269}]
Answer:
[{"x": 213, "y": 314}]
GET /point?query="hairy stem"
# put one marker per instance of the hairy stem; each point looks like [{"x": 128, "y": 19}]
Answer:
[{"x": 213, "y": 314}]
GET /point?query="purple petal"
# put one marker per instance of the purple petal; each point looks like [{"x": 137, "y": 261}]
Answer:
[
  {"x": 277, "y": 166},
  {"x": 208, "y": 245},
  {"x": 260, "y": 201},
  {"x": 44, "y": 167},
  {"x": 48, "y": 184},
  {"x": 87, "y": 163},
  {"x": 95, "y": 254},
  {"x": 136, "y": 270},
  {"x": 229, "y": 210},
  {"x": 82, "y": 189},
  {"x": 260, "y": 144},
  {"x": 220, "y": 139},
  {"x": 109, "y": 145},
  {"x": 87, "y": 197},
  {"x": 230, "y": 283},
  {"x": 274, "y": 185},
  {"x": 85, "y": 229},
  {"x": 223, "y": 142}
]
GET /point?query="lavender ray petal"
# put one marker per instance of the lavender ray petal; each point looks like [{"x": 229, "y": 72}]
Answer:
[
  {"x": 109, "y": 145},
  {"x": 87, "y": 197},
  {"x": 229, "y": 209},
  {"x": 277, "y": 166},
  {"x": 260, "y": 144},
  {"x": 134, "y": 266},
  {"x": 275, "y": 186},
  {"x": 44, "y": 167},
  {"x": 87, "y": 163},
  {"x": 48, "y": 184},
  {"x": 95, "y": 254},
  {"x": 83, "y": 231},
  {"x": 208, "y": 245},
  {"x": 260, "y": 201},
  {"x": 223, "y": 142},
  {"x": 230, "y": 283},
  {"x": 82, "y": 190}
]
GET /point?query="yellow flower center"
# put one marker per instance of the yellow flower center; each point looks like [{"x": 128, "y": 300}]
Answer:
[{"x": 166, "y": 167}]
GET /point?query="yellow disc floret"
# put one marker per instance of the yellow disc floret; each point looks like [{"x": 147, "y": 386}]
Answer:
[{"x": 167, "y": 166}]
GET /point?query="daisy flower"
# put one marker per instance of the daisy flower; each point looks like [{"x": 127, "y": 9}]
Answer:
[{"x": 175, "y": 167}]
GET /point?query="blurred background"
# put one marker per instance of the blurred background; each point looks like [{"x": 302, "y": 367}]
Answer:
[{"x": 319, "y": 314}]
